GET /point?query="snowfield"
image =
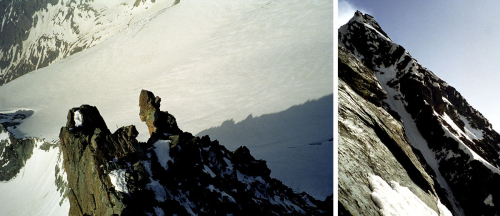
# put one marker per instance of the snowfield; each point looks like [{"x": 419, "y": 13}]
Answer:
[
  {"x": 209, "y": 61},
  {"x": 33, "y": 191}
]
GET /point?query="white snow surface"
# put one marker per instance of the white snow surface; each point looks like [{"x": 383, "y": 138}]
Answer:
[
  {"x": 78, "y": 118},
  {"x": 489, "y": 200},
  {"x": 119, "y": 180},
  {"x": 4, "y": 136},
  {"x": 396, "y": 200},
  {"x": 32, "y": 191},
  {"x": 162, "y": 150}
]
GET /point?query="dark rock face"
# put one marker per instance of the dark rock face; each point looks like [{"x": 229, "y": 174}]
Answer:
[
  {"x": 14, "y": 153},
  {"x": 173, "y": 173},
  {"x": 461, "y": 140},
  {"x": 87, "y": 149},
  {"x": 359, "y": 77}
]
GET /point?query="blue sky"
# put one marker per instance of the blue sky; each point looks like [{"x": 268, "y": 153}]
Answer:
[{"x": 457, "y": 40}]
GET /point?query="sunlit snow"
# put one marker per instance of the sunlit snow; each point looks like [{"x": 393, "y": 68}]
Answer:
[
  {"x": 78, "y": 118},
  {"x": 118, "y": 180},
  {"x": 395, "y": 199},
  {"x": 33, "y": 191}
]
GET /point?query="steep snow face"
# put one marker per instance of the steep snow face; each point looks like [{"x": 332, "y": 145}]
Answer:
[
  {"x": 40, "y": 33},
  {"x": 454, "y": 138},
  {"x": 33, "y": 191}
]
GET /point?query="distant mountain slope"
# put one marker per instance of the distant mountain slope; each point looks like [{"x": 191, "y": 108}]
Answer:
[
  {"x": 34, "y": 34},
  {"x": 456, "y": 141}
]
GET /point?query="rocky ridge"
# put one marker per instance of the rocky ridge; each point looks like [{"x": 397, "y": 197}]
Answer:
[
  {"x": 14, "y": 153},
  {"x": 369, "y": 134},
  {"x": 455, "y": 140},
  {"x": 172, "y": 173}
]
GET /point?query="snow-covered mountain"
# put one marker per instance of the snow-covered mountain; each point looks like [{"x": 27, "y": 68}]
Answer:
[
  {"x": 34, "y": 34},
  {"x": 211, "y": 63},
  {"x": 439, "y": 135}
]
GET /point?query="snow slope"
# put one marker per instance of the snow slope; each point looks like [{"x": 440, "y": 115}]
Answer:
[
  {"x": 61, "y": 28},
  {"x": 33, "y": 191},
  {"x": 209, "y": 62}
]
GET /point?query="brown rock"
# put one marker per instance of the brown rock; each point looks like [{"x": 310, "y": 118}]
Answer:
[{"x": 149, "y": 109}]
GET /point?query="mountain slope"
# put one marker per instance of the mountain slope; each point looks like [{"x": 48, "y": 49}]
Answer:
[
  {"x": 34, "y": 34},
  {"x": 456, "y": 141},
  {"x": 373, "y": 145}
]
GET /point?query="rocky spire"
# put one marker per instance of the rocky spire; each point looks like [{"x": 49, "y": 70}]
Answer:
[{"x": 154, "y": 118}]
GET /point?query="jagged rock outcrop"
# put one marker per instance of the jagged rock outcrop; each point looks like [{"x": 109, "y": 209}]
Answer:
[
  {"x": 87, "y": 147},
  {"x": 173, "y": 172},
  {"x": 14, "y": 153},
  {"x": 456, "y": 141}
]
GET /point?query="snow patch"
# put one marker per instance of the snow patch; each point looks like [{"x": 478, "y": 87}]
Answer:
[
  {"x": 395, "y": 199},
  {"x": 4, "y": 136},
  {"x": 451, "y": 154},
  {"x": 159, "y": 211},
  {"x": 473, "y": 155},
  {"x": 207, "y": 170},
  {"x": 119, "y": 180},
  {"x": 471, "y": 132},
  {"x": 78, "y": 119},
  {"x": 162, "y": 150},
  {"x": 489, "y": 200}
]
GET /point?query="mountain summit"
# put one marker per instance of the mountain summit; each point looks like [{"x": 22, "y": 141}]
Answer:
[{"x": 447, "y": 148}]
